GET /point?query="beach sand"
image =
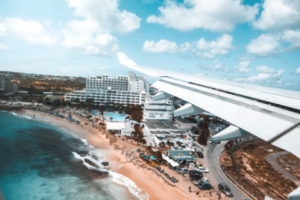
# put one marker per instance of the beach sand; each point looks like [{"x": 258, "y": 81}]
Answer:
[{"x": 143, "y": 178}]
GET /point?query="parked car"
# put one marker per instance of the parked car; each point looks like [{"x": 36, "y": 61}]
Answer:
[
  {"x": 205, "y": 186},
  {"x": 194, "y": 171},
  {"x": 202, "y": 169},
  {"x": 225, "y": 189},
  {"x": 200, "y": 154},
  {"x": 199, "y": 182},
  {"x": 210, "y": 141},
  {"x": 183, "y": 171},
  {"x": 194, "y": 177},
  {"x": 204, "y": 179}
]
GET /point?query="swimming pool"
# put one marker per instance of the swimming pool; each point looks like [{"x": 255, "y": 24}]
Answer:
[{"x": 116, "y": 117}]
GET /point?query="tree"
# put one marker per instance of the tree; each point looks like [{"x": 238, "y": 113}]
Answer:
[
  {"x": 76, "y": 101},
  {"x": 204, "y": 132},
  {"x": 143, "y": 141},
  {"x": 56, "y": 103},
  {"x": 68, "y": 103},
  {"x": 63, "y": 103},
  {"x": 89, "y": 101},
  {"x": 134, "y": 135},
  {"x": 158, "y": 156}
]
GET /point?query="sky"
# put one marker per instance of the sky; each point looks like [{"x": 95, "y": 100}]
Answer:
[{"x": 255, "y": 42}]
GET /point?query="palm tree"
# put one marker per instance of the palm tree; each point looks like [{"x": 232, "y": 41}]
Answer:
[
  {"x": 143, "y": 141},
  {"x": 134, "y": 135}
]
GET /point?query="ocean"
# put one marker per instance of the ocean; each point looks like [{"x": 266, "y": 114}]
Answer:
[{"x": 40, "y": 161}]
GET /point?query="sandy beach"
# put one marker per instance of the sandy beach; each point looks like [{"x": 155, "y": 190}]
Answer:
[{"x": 144, "y": 178}]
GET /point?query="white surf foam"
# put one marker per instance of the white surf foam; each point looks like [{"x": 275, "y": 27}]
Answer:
[
  {"x": 64, "y": 129},
  {"x": 86, "y": 143},
  {"x": 132, "y": 187},
  {"x": 13, "y": 113},
  {"x": 25, "y": 116},
  {"x": 117, "y": 178},
  {"x": 99, "y": 167}
]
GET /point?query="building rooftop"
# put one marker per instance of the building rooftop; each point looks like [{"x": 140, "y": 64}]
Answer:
[
  {"x": 160, "y": 124},
  {"x": 163, "y": 132},
  {"x": 185, "y": 120},
  {"x": 155, "y": 109},
  {"x": 181, "y": 155}
]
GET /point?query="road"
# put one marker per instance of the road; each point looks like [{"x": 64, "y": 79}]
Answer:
[
  {"x": 216, "y": 175},
  {"x": 272, "y": 159}
]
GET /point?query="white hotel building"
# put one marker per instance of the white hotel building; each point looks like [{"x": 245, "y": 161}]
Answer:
[
  {"x": 161, "y": 110},
  {"x": 125, "y": 90}
]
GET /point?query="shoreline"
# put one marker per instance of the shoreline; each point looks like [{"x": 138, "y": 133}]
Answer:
[{"x": 144, "y": 179}]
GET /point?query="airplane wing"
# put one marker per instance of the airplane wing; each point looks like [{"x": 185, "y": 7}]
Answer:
[{"x": 268, "y": 113}]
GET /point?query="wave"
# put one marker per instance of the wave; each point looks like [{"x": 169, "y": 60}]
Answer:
[
  {"x": 64, "y": 129},
  {"x": 116, "y": 177},
  {"x": 86, "y": 143},
  {"x": 132, "y": 187},
  {"x": 13, "y": 113},
  {"x": 24, "y": 116},
  {"x": 89, "y": 157}
]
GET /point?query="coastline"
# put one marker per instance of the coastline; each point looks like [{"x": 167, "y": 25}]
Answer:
[{"x": 145, "y": 179}]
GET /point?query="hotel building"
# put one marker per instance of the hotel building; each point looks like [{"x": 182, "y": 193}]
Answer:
[
  {"x": 162, "y": 109},
  {"x": 125, "y": 90}
]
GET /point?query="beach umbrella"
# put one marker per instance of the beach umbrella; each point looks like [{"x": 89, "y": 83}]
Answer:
[{"x": 152, "y": 157}]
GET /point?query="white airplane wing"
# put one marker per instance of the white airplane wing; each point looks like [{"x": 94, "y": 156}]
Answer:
[{"x": 268, "y": 113}]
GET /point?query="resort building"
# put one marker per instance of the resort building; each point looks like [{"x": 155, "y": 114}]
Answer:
[
  {"x": 120, "y": 128},
  {"x": 157, "y": 132},
  {"x": 8, "y": 86},
  {"x": 162, "y": 109},
  {"x": 103, "y": 89}
]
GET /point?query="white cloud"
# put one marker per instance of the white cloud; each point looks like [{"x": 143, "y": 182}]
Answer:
[
  {"x": 202, "y": 47},
  {"x": 3, "y": 47},
  {"x": 162, "y": 46},
  {"x": 265, "y": 69},
  {"x": 292, "y": 37},
  {"x": 268, "y": 44},
  {"x": 216, "y": 66},
  {"x": 221, "y": 15},
  {"x": 2, "y": 29},
  {"x": 264, "y": 45},
  {"x": 103, "y": 44},
  {"x": 210, "y": 49},
  {"x": 91, "y": 33},
  {"x": 264, "y": 77},
  {"x": 243, "y": 66},
  {"x": 279, "y": 15},
  {"x": 105, "y": 15},
  {"x": 297, "y": 71},
  {"x": 32, "y": 32}
]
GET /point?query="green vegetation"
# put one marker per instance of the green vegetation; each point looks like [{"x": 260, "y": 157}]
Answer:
[{"x": 204, "y": 132}]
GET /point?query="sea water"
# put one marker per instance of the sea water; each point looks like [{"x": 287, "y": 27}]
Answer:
[{"x": 40, "y": 161}]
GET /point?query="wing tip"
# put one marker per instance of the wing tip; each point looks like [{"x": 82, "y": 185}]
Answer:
[{"x": 125, "y": 60}]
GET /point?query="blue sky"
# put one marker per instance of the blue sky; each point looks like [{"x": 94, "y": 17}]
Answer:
[{"x": 256, "y": 42}]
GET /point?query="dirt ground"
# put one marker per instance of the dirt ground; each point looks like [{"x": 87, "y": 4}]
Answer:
[
  {"x": 255, "y": 174},
  {"x": 291, "y": 163}
]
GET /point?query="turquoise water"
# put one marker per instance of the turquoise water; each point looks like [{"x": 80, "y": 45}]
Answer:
[
  {"x": 39, "y": 161},
  {"x": 115, "y": 117}
]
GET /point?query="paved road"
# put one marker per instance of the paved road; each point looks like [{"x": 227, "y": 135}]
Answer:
[
  {"x": 216, "y": 174},
  {"x": 272, "y": 159}
]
